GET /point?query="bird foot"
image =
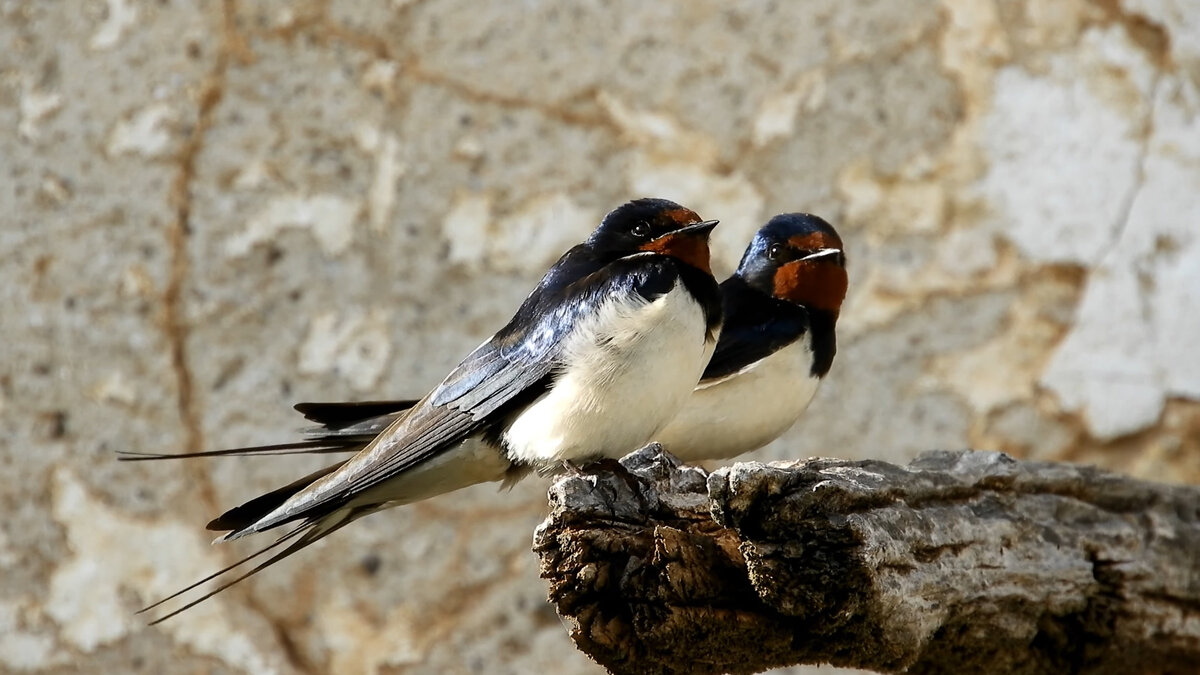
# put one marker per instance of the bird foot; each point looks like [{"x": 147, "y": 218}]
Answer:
[
  {"x": 610, "y": 465},
  {"x": 618, "y": 469},
  {"x": 569, "y": 468}
]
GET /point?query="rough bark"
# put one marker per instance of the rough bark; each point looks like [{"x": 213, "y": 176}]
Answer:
[{"x": 962, "y": 562}]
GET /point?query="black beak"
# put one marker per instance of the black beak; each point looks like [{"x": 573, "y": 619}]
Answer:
[{"x": 694, "y": 229}]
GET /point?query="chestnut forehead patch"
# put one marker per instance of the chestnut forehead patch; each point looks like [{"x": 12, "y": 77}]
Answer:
[
  {"x": 688, "y": 247},
  {"x": 814, "y": 240},
  {"x": 681, "y": 216}
]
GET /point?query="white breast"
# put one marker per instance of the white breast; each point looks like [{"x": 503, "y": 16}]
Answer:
[
  {"x": 628, "y": 370},
  {"x": 745, "y": 411}
]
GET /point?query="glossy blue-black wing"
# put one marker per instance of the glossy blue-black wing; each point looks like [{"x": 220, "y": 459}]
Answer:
[
  {"x": 522, "y": 356},
  {"x": 756, "y": 326}
]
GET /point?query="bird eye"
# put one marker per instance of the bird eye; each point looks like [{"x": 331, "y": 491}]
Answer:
[
  {"x": 642, "y": 229},
  {"x": 775, "y": 252}
]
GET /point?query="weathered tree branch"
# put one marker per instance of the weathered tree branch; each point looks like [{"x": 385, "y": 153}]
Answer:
[{"x": 962, "y": 562}]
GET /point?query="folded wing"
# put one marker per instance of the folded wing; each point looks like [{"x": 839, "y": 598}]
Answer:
[{"x": 515, "y": 364}]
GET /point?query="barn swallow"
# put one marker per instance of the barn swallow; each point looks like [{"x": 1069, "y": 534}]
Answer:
[
  {"x": 597, "y": 359},
  {"x": 781, "y": 308}
]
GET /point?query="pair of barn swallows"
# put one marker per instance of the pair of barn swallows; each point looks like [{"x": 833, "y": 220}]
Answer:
[{"x": 627, "y": 338}]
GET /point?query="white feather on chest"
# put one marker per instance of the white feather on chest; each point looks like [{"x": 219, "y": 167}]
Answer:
[
  {"x": 627, "y": 371},
  {"x": 745, "y": 411}
]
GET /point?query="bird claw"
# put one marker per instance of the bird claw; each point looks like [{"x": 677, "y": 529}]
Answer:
[
  {"x": 618, "y": 469},
  {"x": 568, "y": 467}
]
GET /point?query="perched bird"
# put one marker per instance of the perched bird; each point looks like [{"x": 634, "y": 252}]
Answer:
[
  {"x": 598, "y": 358},
  {"x": 781, "y": 309}
]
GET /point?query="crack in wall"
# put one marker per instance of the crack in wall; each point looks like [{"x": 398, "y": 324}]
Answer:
[
  {"x": 233, "y": 48},
  {"x": 322, "y": 29},
  {"x": 291, "y": 651},
  {"x": 1152, "y": 37},
  {"x": 1145, "y": 132},
  {"x": 175, "y": 322}
]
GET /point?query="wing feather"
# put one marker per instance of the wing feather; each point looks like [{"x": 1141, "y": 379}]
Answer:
[
  {"x": 756, "y": 326},
  {"x": 339, "y": 416}
]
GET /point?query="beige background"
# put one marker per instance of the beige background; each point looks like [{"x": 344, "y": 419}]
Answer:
[{"x": 211, "y": 210}]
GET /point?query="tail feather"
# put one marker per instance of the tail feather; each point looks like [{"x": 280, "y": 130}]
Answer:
[
  {"x": 296, "y": 531},
  {"x": 244, "y": 515},
  {"x": 340, "y": 415},
  {"x": 344, "y": 427},
  {"x": 312, "y": 447},
  {"x": 310, "y": 532}
]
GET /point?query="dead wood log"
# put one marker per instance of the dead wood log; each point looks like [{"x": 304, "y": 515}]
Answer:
[{"x": 962, "y": 562}]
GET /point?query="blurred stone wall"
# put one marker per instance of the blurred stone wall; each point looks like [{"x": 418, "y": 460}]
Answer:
[{"x": 210, "y": 210}]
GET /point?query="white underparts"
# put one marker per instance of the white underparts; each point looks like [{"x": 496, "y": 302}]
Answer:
[
  {"x": 627, "y": 371},
  {"x": 746, "y": 410}
]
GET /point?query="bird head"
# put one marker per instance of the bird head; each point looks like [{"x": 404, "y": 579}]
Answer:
[
  {"x": 654, "y": 226},
  {"x": 798, "y": 258}
]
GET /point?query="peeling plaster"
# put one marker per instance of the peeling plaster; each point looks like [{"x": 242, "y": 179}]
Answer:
[
  {"x": 1109, "y": 373},
  {"x": 465, "y": 226},
  {"x": 778, "y": 112},
  {"x": 115, "y": 388},
  {"x": 1064, "y": 158},
  {"x": 121, "y": 15},
  {"x": 111, "y": 552},
  {"x": 35, "y": 105},
  {"x": 22, "y": 649},
  {"x": 535, "y": 236},
  {"x": 330, "y": 218},
  {"x": 353, "y": 344},
  {"x": 381, "y": 198},
  {"x": 1004, "y": 369},
  {"x": 1133, "y": 340},
  {"x": 657, "y": 131},
  {"x": 146, "y": 133},
  {"x": 527, "y": 240}
]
